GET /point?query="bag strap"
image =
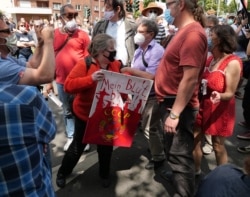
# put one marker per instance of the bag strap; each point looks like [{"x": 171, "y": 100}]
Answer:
[
  {"x": 143, "y": 59},
  {"x": 65, "y": 42}
]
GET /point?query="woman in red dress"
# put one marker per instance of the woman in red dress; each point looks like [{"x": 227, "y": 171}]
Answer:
[{"x": 217, "y": 110}]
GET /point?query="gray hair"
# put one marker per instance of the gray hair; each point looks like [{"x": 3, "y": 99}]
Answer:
[
  {"x": 62, "y": 9},
  {"x": 99, "y": 43},
  {"x": 151, "y": 25}
]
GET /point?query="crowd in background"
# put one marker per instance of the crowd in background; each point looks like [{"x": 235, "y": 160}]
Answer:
[{"x": 173, "y": 107}]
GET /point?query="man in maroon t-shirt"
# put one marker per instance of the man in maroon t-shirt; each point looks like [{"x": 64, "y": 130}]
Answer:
[{"x": 176, "y": 85}]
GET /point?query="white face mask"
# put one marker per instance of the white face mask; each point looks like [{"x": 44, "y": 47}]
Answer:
[
  {"x": 22, "y": 29},
  {"x": 139, "y": 39},
  {"x": 152, "y": 16},
  {"x": 70, "y": 26},
  {"x": 11, "y": 41},
  {"x": 108, "y": 14}
]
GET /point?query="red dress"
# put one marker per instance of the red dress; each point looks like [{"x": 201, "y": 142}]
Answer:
[{"x": 217, "y": 119}]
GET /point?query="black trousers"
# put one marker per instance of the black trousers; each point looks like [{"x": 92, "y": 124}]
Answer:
[
  {"x": 179, "y": 149},
  {"x": 246, "y": 102},
  {"x": 76, "y": 149}
]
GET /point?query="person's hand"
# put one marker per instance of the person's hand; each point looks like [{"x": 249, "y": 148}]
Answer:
[
  {"x": 125, "y": 70},
  {"x": 170, "y": 125},
  {"x": 44, "y": 34},
  {"x": 244, "y": 21},
  {"x": 97, "y": 76},
  {"x": 49, "y": 88},
  {"x": 215, "y": 97}
]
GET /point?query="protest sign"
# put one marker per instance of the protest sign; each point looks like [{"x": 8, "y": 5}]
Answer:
[{"x": 113, "y": 117}]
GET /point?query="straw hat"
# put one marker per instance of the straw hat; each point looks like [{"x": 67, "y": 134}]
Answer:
[{"x": 152, "y": 5}]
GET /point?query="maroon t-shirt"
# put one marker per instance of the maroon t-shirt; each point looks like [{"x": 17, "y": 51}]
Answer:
[{"x": 187, "y": 48}]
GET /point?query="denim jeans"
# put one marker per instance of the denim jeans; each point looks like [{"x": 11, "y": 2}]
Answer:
[
  {"x": 68, "y": 116},
  {"x": 75, "y": 151},
  {"x": 179, "y": 149},
  {"x": 22, "y": 58}
]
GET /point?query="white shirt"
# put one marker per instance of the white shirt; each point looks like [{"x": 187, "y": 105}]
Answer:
[{"x": 117, "y": 31}]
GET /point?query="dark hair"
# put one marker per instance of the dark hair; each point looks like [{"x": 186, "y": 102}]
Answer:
[
  {"x": 62, "y": 9},
  {"x": 197, "y": 11},
  {"x": 99, "y": 43},
  {"x": 115, "y": 4},
  {"x": 151, "y": 25},
  {"x": 227, "y": 38},
  {"x": 213, "y": 19}
]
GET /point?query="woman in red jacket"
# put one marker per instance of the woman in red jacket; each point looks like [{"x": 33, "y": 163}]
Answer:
[{"x": 82, "y": 82}]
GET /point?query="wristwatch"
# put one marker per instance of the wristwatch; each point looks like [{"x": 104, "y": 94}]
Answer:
[{"x": 173, "y": 116}]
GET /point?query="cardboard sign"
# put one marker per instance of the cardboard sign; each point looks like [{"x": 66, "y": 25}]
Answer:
[{"x": 116, "y": 109}]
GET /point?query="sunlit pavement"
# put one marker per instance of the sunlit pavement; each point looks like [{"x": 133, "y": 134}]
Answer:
[{"x": 128, "y": 175}]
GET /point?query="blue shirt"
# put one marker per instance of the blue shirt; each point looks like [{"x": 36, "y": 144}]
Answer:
[
  {"x": 225, "y": 181},
  {"x": 152, "y": 56},
  {"x": 10, "y": 70},
  {"x": 26, "y": 125}
]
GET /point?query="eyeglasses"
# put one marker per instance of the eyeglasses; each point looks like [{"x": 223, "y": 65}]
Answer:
[
  {"x": 170, "y": 3},
  {"x": 71, "y": 15},
  {"x": 21, "y": 25},
  {"x": 153, "y": 11},
  {"x": 143, "y": 32}
]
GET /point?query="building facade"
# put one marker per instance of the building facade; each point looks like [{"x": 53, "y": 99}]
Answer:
[{"x": 49, "y": 9}]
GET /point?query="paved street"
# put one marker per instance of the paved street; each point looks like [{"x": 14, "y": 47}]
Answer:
[{"x": 129, "y": 177}]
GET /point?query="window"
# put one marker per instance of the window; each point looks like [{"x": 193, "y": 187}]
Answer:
[
  {"x": 78, "y": 7},
  {"x": 68, "y": 1},
  {"x": 25, "y": 4},
  {"x": 56, "y": 6},
  {"x": 42, "y": 4}
]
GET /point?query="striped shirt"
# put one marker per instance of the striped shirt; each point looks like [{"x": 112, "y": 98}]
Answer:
[
  {"x": 161, "y": 34},
  {"x": 26, "y": 125}
]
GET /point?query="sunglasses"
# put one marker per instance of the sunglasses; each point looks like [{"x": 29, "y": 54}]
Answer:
[
  {"x": 153, "y": 11},
  {"x": 7, "y": 31},
  {"x": 71, "y": 15},
  {"x": 21, "y": 25}
]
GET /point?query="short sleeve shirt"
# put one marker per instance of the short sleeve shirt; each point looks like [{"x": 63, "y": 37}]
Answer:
[{"x": 11, "y": 70}]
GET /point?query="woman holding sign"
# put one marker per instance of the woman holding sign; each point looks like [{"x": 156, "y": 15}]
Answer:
[{"x": 82, "y": 82}]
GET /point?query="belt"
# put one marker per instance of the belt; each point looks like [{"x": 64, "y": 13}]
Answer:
[{"x": 169, "y": 100}]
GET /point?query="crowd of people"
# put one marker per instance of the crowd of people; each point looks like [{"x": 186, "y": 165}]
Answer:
[{"x": 190, "y": 110}]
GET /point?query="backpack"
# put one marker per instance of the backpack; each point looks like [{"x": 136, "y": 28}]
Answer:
[{"x": 88, "y": 61}]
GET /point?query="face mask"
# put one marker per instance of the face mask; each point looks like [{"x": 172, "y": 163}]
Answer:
[
  {"x": 108, "y": 14},
  {"x": 139, "y": 39},
  {"x": 152, "y": 16},
  {"x": 209, "y": 44},
  {"x": 168, "y": 17},
  {"x": 70, "y": 26},
  {"x": 111, "y": 56},
  {"x": 22, "y": 29},
  {"x": 230, "y": 21},
  {"x": 11, "y": 41}
]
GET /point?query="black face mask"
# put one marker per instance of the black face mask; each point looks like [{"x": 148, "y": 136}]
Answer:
[{"x": 111, "y": 56}]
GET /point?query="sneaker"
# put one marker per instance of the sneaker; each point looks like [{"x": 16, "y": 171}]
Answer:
[
  {"x": 243, "y": 124},
  {"x": 60, "y": 180},
  {"x": 167, "y": 175},
  {"x": 87, "y": 148},
  {"x": 207, "y": 149},
  {"x": 66, "y": 146},
  {"x": 238, "y": 95},
  {"x": 154, "y": 164},
  {"x": 245, "y": 149},
  {"x": 244, "y": 136}
]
